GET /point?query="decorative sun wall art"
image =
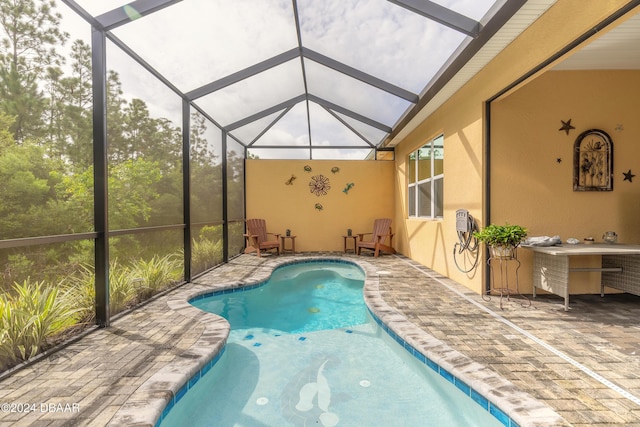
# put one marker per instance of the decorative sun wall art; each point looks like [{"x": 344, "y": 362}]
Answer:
[
  {"x": 319, "y": 185},
  {"x": 593, "y": 161}
]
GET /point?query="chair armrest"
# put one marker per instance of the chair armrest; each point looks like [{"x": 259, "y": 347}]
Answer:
[
  {"x": 361, "y": 235},
  {"x": 382, "y": 237}
]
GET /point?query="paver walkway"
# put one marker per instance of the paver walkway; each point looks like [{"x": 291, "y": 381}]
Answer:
[{"x": 585, "y": 363}]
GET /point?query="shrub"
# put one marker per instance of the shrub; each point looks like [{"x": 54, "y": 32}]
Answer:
[
  {"x": 30, "y": 315},
  {"x": 79, "y": 291},
  {"x": 150, "y": 277},
  {"x": 32, "y": 312},
  {"x": 501, "y": 235},
  {"x": 122, "y": 291},
  {"x": 205, "y": 254}
]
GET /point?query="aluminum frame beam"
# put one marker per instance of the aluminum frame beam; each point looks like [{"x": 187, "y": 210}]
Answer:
[
  {"x": 274, "y": 109},
  {"x": 442, "y": 15},
  {"x": 322, "y": 102},
  {"x": 123, "y": 15},
  {"x": 349, "y": 113},
  {"x": 243, "y": 74},
  {"x": 348, "y": 126},
  {"x": 452, "y": 67},
  {"x": 269, "y": 126},
  {"x": 186, "y": 189},
  {"x": 360, "y": 75},
  {"x": 312, "y": 147},
  {"x": 308, "y": 54},
  {"x": 100, "y": 176}
]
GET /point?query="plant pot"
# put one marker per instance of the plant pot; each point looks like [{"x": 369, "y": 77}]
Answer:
[{"x": 504, "y": 252}]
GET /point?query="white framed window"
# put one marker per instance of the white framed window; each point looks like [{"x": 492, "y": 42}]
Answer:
[{"x": 426, "y": 179}]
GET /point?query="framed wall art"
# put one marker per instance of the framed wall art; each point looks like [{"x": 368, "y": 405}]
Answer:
[{"x": 593, "y": 161}]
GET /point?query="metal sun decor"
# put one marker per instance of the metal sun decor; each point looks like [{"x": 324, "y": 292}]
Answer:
[
  {"x": 319, "y": 185},
  {"x": 593, "y": 161}
]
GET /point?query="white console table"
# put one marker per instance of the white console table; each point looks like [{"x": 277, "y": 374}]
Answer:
[{"x": 620, "y": 267}]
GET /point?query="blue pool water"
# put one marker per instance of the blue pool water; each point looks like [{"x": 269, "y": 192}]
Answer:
[{"x": 303, "y": 350}]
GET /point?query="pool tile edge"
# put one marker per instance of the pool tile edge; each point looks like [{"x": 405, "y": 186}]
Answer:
[
  {"x": 152, "y": 400},
  {"x": 506, "y": 402}
]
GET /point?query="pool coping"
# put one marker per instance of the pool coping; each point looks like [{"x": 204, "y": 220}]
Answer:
[{"x": 148, "y": 404}]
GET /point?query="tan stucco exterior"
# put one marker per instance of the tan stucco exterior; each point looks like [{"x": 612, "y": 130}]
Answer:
[
  {"x": 462, "y": 121},
  {"x": 533, "y": 188},
  {"x": 525, "y": 144},
  {"x": 293, "y": 207}
]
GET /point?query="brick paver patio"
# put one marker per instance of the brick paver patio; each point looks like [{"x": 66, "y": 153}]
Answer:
[{"x": 583, "y": 364}]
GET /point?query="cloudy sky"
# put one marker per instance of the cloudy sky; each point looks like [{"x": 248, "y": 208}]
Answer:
[{"x": 195, "y": 42}]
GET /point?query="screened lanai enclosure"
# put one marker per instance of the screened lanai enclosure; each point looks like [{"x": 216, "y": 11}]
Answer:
[{"x": 124, "y": 127}]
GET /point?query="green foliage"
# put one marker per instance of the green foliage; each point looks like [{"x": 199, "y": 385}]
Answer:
[
  {"x": 128, "y": 284},
  {"x": 130, "y": 195},
  {"x": 155, "y": 275},
  {"x": 131, "y": 191},
  {"x": 206, "y": 251},
  {"x": 28, "y": 316},
  {"x": 501, "y": 235},
  {"x": 20, "y": 268},
  {"x": 6, "y": 137},
  {"x": 122, "y": 290},
  {"x": 30, "y": 33},
  {"x": 47, "y": 183},
  {"x": 80, "y": 292}
]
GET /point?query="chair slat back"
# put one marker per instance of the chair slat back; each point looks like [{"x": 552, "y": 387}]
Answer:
[
  {"x": 258, "y": 227},
  {"x": 381, "y": 226}
]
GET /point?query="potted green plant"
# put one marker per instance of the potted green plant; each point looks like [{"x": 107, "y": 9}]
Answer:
[{"x": 502, "y": 240}]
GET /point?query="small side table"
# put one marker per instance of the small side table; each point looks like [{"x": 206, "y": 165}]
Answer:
[
  {"x": 283, "y": 240},
  {"x": 355, "y": 239}
]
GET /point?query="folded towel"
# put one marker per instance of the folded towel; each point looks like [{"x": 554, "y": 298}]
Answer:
[{"x": 542, "y": 241}]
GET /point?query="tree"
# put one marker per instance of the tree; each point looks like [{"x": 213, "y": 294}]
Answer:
[
  {"x": 20, "y": 98},
  {"x": 27, "y": 185},
  {"x": 30, "y": 33},
  {"x": 202, "y": 151},
  {"x": 77, "y": 117},
  {"x": 69, "y": 109},
  {"x": 115, "y": 118}
]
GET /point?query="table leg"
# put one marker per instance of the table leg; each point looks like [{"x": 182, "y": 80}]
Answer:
[{"x": 551, "y": 273}]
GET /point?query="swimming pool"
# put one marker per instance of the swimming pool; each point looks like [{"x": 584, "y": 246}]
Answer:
[{"x": 304, "y": 350}]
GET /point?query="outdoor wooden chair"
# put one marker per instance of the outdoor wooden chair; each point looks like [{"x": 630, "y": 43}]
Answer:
[
  {"x": 381, "y": 231},
  {"x": 257, "y": 237}
]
